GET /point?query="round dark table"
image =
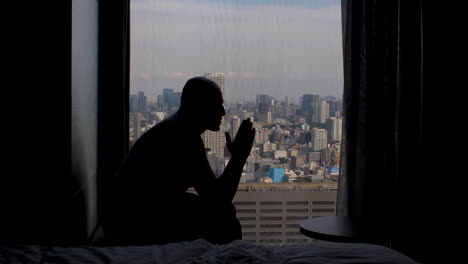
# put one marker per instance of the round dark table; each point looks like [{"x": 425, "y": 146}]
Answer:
[{"x": 343, "y": 229}]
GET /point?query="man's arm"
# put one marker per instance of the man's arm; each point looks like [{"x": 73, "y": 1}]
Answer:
[{"x": 225, "y": 187}]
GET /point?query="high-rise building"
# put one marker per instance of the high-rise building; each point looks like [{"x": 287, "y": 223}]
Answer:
[
  {"x": 264, "y": 108},
  {"x": 310, "y": 108},
  {"x": 324, "y": 112},
  {"x": 263, "y": 99},
  {"x": 160, "y": 103},
  {"x": 167, "y": 98},
  {"x": 339, "y": 129},
  {"x": 133, "y": 103},
  {"x": 218, "y": 78},
  {"x": 264, "y": 112},
  {"x": 142, "y": 102},
  {"x": 334, "y": 129},
  {"x": 175, "y": 100},
  {"x": 167, "y": 92},
  {"x": 215, "y": 140},
  {"x": 319, "y": 139},
  {"x": 170, "y": 100},
  {"x": 331, "y": 100},
  {"x": 336, "y": 107}
]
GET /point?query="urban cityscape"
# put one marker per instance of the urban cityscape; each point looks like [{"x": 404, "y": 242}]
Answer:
[
  {"x": 297, "y": 140},
  {"x": 292, "y": 172}
]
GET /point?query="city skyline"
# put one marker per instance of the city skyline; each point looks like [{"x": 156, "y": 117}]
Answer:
[
  {"x": 296, "y": 100},
  {"x": 295, "y": 141},
  {"x": 280, "y": 48}
]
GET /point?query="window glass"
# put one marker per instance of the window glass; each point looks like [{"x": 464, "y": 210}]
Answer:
[{"x": 277, "y": 62}]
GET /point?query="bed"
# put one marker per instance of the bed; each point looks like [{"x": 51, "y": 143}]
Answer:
[{"x": 201, "y": 251}]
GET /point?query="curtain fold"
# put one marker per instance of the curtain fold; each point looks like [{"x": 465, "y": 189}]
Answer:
[
  {"x": 382, "y": 120},
  {"x": 370, "y": 107},
  {"x": 113, "y": 94}
]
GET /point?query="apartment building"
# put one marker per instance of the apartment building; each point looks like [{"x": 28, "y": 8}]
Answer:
[{"x": 270, "y": 213}]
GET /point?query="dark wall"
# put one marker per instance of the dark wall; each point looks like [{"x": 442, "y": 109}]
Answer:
[
  {"x": 48, "y": 186},
  {"x": 36, "y": 129}
]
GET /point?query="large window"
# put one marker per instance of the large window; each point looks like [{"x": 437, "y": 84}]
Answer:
[{"x": 278, "y": 62}]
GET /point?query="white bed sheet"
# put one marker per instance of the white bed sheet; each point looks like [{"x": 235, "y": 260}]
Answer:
[{"x": 201, "y": 251}]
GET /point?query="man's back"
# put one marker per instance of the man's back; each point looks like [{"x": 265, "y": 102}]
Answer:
[{"x": 162, "y": 164}]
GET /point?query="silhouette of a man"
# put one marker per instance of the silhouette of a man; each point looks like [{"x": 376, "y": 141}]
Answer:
[{"x": 150, "y": 202}]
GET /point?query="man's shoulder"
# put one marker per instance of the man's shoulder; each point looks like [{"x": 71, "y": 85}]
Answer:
[
  {"x": 166, "y": 127},
  {"x": 158, "y": 142},
  {"x": 168, "y": 136}
]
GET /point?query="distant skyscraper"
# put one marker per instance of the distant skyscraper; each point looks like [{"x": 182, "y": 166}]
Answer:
[
  {"x": 264, "y": 112},
  {"x": 324, "y": 112},
  {"x": 319, "y": 139},
  {"x": 336, "y": 107},
  {"x": 161, "y": 104},
  {"x": 167, "y": 95},
  {"x": 264, "y": 98},
  {"x": 175, "y": 99},
  {"x": 264, "y": 104},
  {"x": 142, "y": 102},
  {"x": 133, "y": 103},
  {"x": 215, "y": 140},
  {"x": 332, "y": 104},
  {"x": 334, "y": 129},
  {"x": 171, "y": 100},
  {"x": 217, "y": 77},
  {"x": 310, "y": 108}
]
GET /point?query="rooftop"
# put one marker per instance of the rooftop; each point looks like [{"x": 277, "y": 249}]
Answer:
[{"x": 288, "y": 185}]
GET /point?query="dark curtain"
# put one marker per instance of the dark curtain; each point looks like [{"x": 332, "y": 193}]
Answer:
[
  {"x": 383, "y": 119},
  {"x": 114, "y": 54}
]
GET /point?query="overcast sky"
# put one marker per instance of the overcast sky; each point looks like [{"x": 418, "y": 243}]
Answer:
[{"x": 278, "y": 47}]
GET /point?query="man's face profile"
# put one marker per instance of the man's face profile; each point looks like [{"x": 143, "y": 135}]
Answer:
[
  {"x": 213, "y": 112},
  {"x": 202, "y": 100}
]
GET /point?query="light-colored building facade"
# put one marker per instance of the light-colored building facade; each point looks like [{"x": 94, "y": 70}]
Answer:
[
  {"x": 334, "y": 128},
  {"x": 318, "y": 139},
  {"x": 324, "y": 112},
  {"x": 270, "y": 213},
  {"x": 215, "y": 140}
]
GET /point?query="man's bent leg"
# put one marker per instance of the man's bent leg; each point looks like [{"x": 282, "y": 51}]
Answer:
[
  {"x": 185, "y": 219},
  {"x": 221, "y": 225}
]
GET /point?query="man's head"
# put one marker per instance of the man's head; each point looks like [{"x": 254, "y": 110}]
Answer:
[{"x": 202, "y": 100}]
